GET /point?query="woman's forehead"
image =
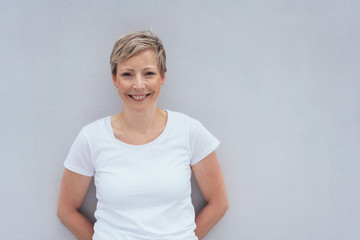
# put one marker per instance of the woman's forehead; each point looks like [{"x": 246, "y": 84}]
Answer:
[{"x": 145, "y": 59}]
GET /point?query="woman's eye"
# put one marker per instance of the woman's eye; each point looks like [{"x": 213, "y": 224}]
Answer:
[
  {"x": 150, "y": 73},
  {"x": 125, "y": 75}
]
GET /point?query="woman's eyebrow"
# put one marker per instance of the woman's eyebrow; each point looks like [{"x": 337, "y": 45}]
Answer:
[
  {"x": 126, "y": 69},
  {"x": 149, "y": 68}
]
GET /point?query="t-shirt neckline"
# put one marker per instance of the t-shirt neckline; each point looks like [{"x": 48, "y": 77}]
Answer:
[{"x": 162, "y": 134}]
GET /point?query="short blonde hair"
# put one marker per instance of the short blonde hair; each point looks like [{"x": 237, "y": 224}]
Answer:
[{"x": 132, "y": 44}]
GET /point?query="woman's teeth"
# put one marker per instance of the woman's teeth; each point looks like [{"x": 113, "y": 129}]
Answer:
[{"x": 139, "y": 97}]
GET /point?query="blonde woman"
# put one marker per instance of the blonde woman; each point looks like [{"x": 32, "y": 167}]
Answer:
[{"x": 142, "y": 159}]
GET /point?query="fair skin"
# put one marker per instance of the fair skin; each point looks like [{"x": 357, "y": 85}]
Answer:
[
  {"x": 139, "y": 83},
  {"x": 210, "y": 180}
]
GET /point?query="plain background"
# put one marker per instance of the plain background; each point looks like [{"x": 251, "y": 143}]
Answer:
[{"x": 276, "y": 81}]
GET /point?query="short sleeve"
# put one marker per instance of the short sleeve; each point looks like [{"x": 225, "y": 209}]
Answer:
[
  {"x": 202, "y": 142},
  {"x": 79, "y": 157}
]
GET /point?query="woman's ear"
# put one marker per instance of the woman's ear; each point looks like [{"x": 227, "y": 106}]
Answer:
[
  {"x": 114, "y": 80},
  {"x": 163, "y": 80}
]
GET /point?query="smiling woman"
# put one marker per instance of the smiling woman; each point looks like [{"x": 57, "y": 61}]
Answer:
[
  {"x": 138, "y": 80},
  {"x": 141, "y": 159}
]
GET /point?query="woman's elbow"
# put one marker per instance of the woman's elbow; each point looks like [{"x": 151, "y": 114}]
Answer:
[
  {"x": 64, "y": 213},
  {"x": 224, "y": 207},
  {"x": 220, "y": 207},
  {"x": 61, "y": 214}
]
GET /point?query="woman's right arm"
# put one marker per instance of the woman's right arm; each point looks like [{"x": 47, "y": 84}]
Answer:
[{"x": 73, "y": 190}]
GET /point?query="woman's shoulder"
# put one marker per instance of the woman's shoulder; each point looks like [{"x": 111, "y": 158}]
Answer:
[
  {"x": 180, "y": 120},
  {"x": 180, "y": 115},
  {"x": 96, "y": 125}
]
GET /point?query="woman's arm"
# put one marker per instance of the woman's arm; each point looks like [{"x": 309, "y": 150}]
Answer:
[
  {"x": 209, "y": 177},
  {"x": 72, "y": 194}
]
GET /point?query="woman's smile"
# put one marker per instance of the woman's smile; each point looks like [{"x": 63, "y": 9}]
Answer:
[{"x": 139, "y": 98}]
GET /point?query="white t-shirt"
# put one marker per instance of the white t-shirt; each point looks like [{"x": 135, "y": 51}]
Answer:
[{"x": 143, "y": 191}]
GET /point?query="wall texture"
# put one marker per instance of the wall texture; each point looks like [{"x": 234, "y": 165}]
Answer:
[{"x": 276, "y": 81}]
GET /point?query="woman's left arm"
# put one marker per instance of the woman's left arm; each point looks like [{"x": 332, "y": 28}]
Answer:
[{"x": 210, "y": 180}]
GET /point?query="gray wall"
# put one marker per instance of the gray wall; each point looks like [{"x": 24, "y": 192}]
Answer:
[{"x": 276, "y": 81}]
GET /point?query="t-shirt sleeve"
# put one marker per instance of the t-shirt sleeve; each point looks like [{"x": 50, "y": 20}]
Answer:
[
  {"x": 79, "y": 157},
  {"x": 202, "y": 142}
]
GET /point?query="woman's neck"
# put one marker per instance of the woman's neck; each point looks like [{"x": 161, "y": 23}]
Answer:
[{"x": 141, "y": 122}]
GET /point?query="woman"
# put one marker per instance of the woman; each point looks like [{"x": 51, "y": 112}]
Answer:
[{"x": 141, "y": 159}]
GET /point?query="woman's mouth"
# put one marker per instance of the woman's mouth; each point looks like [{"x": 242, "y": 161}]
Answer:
[{"x": 139, "y": 98}]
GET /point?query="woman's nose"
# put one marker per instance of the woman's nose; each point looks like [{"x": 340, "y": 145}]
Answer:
[{"x": 139, "y": 82}]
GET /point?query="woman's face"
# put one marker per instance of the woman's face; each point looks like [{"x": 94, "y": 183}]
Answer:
[{"x": 139, "y": 81}]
